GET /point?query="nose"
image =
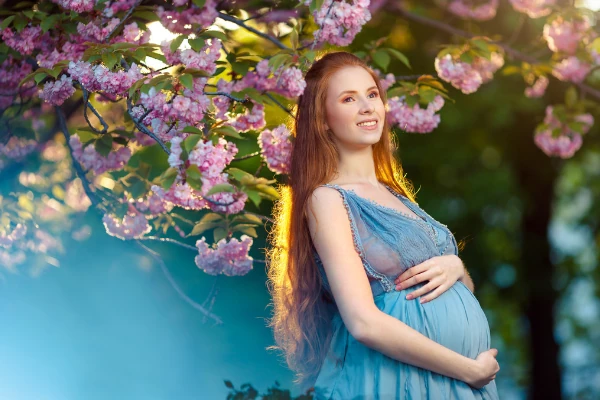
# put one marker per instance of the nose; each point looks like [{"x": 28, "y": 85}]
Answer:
[{"x": 367, "y": 107}]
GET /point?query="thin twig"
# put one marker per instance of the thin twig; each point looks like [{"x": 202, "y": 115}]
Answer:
[
  {"x": 284, "y": 108},
  {"x": 247, "y": 156},
  {"x": 239, "y": 22},
  {"x": 86, "y": 104},
  {"x": 169, "y": 277},
  {"x": 116, "y": 28},
  {"x": 226, "y": 95}
]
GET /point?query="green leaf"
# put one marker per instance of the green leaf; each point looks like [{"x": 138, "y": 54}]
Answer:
[
  {"x": 511, "y": 70},
  {"x": 199, "y": 3},
  {"x": 187, "y": 80},
  {"x": 221, "y": 187},
  {"x": 175, "y": 43},
  {"x": 247, "y": 218},
  {"x": 268, "y": 191},
  {"x": 246, "y": 229},
  {"x": 571, "y": 97},
  {"x": 227, "y": 131},
  {"x": 466, "y": 57},
  {"x": 146, "y": 15},
  {"x": 193, "y": 172},
  {"x": 40, "y": 77},
  {"x": 427, "y": 94},
  {"x": 481, "y": 44},
  {"x": 139, "y": 54},
  {"x": 215, "y": 34},
  {"x": 196, "y": 44},
  {"x": 7, "y": 22},
  {"x": 192, "y": 129},
  {"x": 399, "y": 56},
  {"x": 211, "y": 217},
  {"x": 254, "y": 196},
  {"x": 190, "y": 142},
  {"x": 103, "y": 145},
  {"x": 382, "y": 59},
  {"x": 195, "y": 183},
  {"x": 200, "y": 228},
  {"x": 315, "y": 5},
  {"x": 168, "y": 177},
  {"x": 219, "y": 233},
  {"x": 239, "y": 174},
  {"x": 277, "y": 60}
]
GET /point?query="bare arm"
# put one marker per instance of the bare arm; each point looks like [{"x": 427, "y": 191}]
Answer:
[{"x": 332, "y": 237}]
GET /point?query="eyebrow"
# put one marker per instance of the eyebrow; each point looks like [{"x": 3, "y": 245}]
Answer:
[{"x": 354, "y": 91}]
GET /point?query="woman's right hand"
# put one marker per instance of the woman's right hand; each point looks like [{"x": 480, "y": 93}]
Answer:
[{"x": 486, "y": 368}]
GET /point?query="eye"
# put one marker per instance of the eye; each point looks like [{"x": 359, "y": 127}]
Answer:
[
  {"x": 375, "y": 93},
  {"x": 346, "y": 99}
]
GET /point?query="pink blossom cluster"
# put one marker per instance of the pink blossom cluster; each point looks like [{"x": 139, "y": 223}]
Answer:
[
  {"x": 132, "y": 226},
  {"x": 8, "y": 239},
  {"x": 183, "y": 22},
  {"x": 468, "y": 77},
  {"x": 538, "y": 88},
  {"x": 211, "y": 161},
  {"x": 92, "y": 160},
  {"x": 185, "y": 109},
  {"x": 571, "y": 69},
  {"x": 568, "y": 141},
  {"x": 340, "y": 21},
  {"x": 563, "y": 35},
  {"x": 229, "y": 258},
  {"x": 251, "y": 119},
  {"x": 533, "y": 8},
  {"x": 17, "y": 147},
  {"x": 152, "y": 204},
  {"x": 70, "y": 50},
  {"x": 385, "y": 81},
  {"x": 276, "y": 148},
  {"x": 79, "y": 6},
  {"x": 23, "y": 42},
  {"x": 56, "y": 92},
  {"x": 414, "y": 119},
  {"x": 93, "y": 32},
  {"x": 287, "y": 81},
  {"x": 11, "y": 73},
  {"x": 113, "y": 7},
  {"x": 97, "y": 77},
  {"x": 473, "y": 9},
  {"x": 203, "y": 60},
  {"x": 75, "y": 196}
]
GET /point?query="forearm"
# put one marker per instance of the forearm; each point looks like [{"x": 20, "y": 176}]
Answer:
[{"x": 399, "y": 341}]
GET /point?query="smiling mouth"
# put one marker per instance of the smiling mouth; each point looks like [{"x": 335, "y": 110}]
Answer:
[{"x": 367, "y": 124}]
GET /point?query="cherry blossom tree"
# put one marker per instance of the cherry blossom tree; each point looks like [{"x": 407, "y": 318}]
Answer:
[{"x": 148, "y": 133}]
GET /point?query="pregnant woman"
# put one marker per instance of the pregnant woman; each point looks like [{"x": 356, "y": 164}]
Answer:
[{"x": 371, "y": 300}]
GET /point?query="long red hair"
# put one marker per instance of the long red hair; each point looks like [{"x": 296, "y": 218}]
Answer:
[{"x": 302, "y": 311}]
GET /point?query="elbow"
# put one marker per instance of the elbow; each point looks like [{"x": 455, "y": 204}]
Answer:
[{"x": 363, "y": 326}]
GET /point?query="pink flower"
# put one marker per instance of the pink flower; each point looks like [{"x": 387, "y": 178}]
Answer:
[
  {"x": 184, "y": 21},
  {"x": 477, "y": 10},
  {"x": 487, "y": 68},
  {"x": 339, "y": 21},
  {"x": 533, "y": 8},
  {"x": 571, "y": 69},
  {"x": 459, "y": 74},
  {"x": 564, "y": 35},
  {"x": 79, "y": 6},
  {"x": 75, "y": 196},
  {"x": 94, "y": 161},
  {"x": 23, "y": 42},
  {"x": 538, "y": 88},
  {"x": 133, "y": 225},
  {"x": 251, "y": 119},
  {"x": 414, "y": 119},
  {"x": 568, "y": 141},
  {"x": 386, "y": 81},
  {"x": 58, "y": 91},
  {"x": 276, "y": 148},
  {"x": 228, "y": 258}
]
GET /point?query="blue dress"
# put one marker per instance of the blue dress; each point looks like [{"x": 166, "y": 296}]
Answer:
[{"x": 388, "y": 243}]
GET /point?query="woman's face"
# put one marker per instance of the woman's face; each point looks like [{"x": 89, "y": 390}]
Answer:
[{"x": 352, "y": 99}]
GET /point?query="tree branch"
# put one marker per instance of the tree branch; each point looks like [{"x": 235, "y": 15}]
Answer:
[{"x": 236, "y": 21}]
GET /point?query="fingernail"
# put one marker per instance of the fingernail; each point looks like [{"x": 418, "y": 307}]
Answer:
[
  {"x": 423, "y": 301},
  {"x": 398, "y": 287},
  {"x": 409, "y": 297}
]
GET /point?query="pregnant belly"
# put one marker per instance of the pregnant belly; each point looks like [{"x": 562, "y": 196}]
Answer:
[{"x": 455, "y": 319}]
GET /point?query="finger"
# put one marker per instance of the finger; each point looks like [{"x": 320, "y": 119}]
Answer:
[
  {"x": 494, "y": 352},
  {"x": 422, "y": 290},
  {"x": 412, "y": 271},
  {"x": 494, "y": 377},
  {"x": 440, "y": 289},
  {"x": 423, "y": 276}
]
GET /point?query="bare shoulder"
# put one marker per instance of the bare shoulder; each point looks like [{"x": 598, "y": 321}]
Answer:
[{"x": 325, "y": 205}]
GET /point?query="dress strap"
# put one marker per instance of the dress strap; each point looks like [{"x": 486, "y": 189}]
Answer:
[{"x": 383, "y": 279}]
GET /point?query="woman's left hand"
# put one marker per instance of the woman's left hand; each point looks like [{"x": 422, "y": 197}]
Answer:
[{"x": 441, "y": 272}]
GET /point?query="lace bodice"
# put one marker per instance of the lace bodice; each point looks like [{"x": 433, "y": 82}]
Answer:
[{"x": 389, "y": 241}]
